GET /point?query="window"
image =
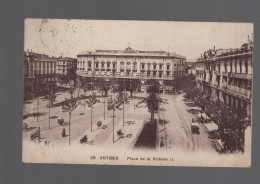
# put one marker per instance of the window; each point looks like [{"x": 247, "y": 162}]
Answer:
[
  {"x": 142, "y": 66},
  {"x": 231, "y": 66},
  {"x": 108, "y": 65},
  {"x": 148, "y": 74},
  {"x": 240, "y": 66},
  {"x": 168, "y": 67},
  {"x": 96, "y": 65},
  {"x": 89, "y": 65},
  {"x": 154, "y": 66},
  {"x": 114, "y": 65},
  {"x": 134, "y": 65},
  {"x": 168, "y": 74},
  {"x": 225, "y": 65},
  {"x": 102, "y": 65},
  {"x": 160, "y": 66},
  {"x": 122, "y": 65},
  {"x": 246, "y": 65},
  {"x": 154, "y": 74},
  {"x": 160, "y": 74},
  {"x": 149, "y": 68}
]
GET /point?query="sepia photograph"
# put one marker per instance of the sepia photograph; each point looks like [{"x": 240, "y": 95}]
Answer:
[{"x": 128, "y": 92}]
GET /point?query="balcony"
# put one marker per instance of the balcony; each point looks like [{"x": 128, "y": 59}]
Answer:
[
  {"x": 97, "y": 69},
  {"x": 142, "y": 70},
  {"x": 217, "y": 72},
  {"x": 114, "y": 69},
  {"x": 206, "y": 83},
  {"x": 122, "y": 69},
  {"x": 108, "y": 69},
  {"x": 89, "y": 69},
  {"x": 241, "y": 76},
  {"x": 236, "y": 91},
  {"x": 103, "y": 69},
  {"x": 128, "y": 69},
  {"x": 215, "y": 85},
  {"x": 225, "y": 74}
]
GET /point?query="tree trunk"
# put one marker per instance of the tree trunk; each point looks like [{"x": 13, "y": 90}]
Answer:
[
  {"x": 104, "y": 109},
  {"x": 69, "y": 126},
  {"x": 123, "y": 114},
  {"x": 37, "y": 108},
  {"x": 49, "y": 114},
  {"x": 91, "y": 118},
  {"x": 152, "y": 113},
  {"x": 113, "y": 126}
]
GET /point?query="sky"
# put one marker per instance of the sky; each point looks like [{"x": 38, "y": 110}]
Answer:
[{"x": 68, "y": 37}]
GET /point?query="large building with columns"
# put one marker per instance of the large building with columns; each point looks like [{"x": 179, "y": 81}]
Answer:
[
  {"x": 226, "y": 74},
  {"x": 129, "y": 64}
]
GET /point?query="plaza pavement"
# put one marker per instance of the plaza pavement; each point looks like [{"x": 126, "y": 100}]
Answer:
[{"x": 176, "y": 134}]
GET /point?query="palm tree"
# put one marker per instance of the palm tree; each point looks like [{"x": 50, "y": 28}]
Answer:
[
  {"x": 91, "y": 101},
  {"x": 112, "y": 104},
  {"x": 50, "y": 95},
  {"x": 123, "y": 99},
  {"x": 69, "y": 106},
  {"x": 152, "y": 101}
]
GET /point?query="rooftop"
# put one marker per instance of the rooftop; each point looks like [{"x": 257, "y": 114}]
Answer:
[{"x": 130, "y": 52}]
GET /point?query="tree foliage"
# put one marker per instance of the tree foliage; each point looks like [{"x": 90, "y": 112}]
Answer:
[{"x": 231, "y": 122}]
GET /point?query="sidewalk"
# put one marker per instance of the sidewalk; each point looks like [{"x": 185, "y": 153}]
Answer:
[{"x": 210, "y": 127}]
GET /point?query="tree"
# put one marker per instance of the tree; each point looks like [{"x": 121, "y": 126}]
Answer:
[
  {"x": 102, "y": 85},
  {"x": 37, "y": 91},
  {"x": 152, "y": 102},
  {"x": 134, "y": 85},
  {"x": 112, "y": 104},
  {"x": 122, "y": 99},
  {"x": 50, "y": 95},
  {"x": 63, "y": 79},
  {"x": 91, "y": 101},
  {"x": 153, "y": 86},
  {"x": 69, "y": 106}
]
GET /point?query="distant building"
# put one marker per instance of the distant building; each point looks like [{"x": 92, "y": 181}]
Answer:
[
  {"x": 131, "y": 64},
  {"x": 226, "y": 74},
  {"x": 38, "y": 68},
  {"x": 191, "y": 68},
  {"x": 64, "y": 64}
]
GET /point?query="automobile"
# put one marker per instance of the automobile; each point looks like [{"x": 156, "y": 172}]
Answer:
[{"x": 195, "y": 129}]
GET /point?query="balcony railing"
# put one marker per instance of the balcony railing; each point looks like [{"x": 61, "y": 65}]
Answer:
[
  {"x": 234, "y": 90},
  {"x": 241, "y": 76},
  {"x": 206, "y": 83}
]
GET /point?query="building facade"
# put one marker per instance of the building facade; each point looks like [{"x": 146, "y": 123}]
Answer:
[
  {"x": 64, "y": 64},
  {"x": 226, "y": 74},
  {"x": 131, "y": 64},
  {"x": 38, "y": 68}
]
